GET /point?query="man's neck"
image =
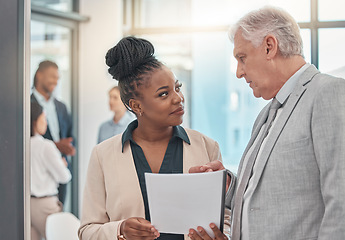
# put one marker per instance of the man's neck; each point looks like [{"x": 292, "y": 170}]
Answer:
[
  {"x": 45, "y": 94},
  {"x": 290, "y": 66}
]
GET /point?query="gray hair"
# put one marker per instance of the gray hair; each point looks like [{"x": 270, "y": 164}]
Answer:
[{"x": 256, "y": 25}]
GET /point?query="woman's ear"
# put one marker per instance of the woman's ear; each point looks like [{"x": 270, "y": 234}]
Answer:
[
  {"x": 271, "y": 46},
  {"x": 135, "y": 105}
]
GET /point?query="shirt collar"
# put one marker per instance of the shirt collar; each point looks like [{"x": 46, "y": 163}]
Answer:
[
  {"x": 178, "y": 132},
  {"x": 123, "y": 121},
  {"x": 290, "y": 84},
  {"x": 40, "y": 98}
]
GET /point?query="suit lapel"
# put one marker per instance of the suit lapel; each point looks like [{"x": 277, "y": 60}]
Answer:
[
  {"x": 61, "y": 119},
  {"x": 190, "y": 157},
  {"x": 256, "y": 131},
  {"x": 129, "y": 176},
  {"x": 290, "y": 105}
]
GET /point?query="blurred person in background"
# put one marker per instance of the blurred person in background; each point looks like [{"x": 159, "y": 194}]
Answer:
[
  {"x": 59, "y": 121},
  {"x": 119, "y": 122},
  {"x": 48, "y": 169}
]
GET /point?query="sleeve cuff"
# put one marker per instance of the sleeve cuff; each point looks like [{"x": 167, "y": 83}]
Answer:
[{"x": 231, "y": 190}]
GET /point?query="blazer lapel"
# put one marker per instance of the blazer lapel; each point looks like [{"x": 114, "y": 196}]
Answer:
[
  {"x": 255, "y": 133},
  {"x": 191, "y": 157},
  {"x": 283, "y": 118},
  {"x": 128, "y": 175}
]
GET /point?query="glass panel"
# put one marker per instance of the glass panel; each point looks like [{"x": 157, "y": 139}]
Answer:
[
  {"x": 181, "y": 13},
  {"x": 59, "y": 5},
  {"x": 332, "y": 51},
  {"x": 236, "y": 9},
  {"x": 53, "y": 42},
  {"x": 331, "y": 10},
  {"x": 162, "y": 13}
]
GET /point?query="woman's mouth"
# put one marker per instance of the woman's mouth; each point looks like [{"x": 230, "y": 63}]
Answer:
[{"x": 178, "y": 111}]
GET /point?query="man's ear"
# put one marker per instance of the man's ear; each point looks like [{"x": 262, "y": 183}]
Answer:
[
  {"x": 39, "y": 76},
  {"x": 135, "y": 105},
  {"x": 271, "y": 46}
]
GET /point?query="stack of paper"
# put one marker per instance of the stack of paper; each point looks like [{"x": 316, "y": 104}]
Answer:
[{"x": 179, "y": 202}]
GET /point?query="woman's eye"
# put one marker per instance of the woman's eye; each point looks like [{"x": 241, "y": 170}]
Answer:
[{"x": 163, "y": 94}]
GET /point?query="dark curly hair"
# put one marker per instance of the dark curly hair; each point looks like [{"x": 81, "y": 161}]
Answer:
[
  {"x": 36, "y": 111},
  {"x": 129, "y": 62}
]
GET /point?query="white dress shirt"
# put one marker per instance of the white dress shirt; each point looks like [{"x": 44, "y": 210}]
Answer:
[
  {"x": 47, "y": 168},
  {"x": 50, "y": 110}
]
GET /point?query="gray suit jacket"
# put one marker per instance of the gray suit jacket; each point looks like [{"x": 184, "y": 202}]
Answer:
[{"x": 300, "y": 189}]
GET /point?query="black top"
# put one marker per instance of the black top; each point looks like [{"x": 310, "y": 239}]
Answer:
[{"x": 172, "y": 163}]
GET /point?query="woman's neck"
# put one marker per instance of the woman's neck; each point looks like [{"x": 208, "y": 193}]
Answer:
[{"x": 149, "y": 133}]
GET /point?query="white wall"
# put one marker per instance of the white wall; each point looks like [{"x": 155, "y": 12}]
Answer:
[{"x": 102, "y": 32}]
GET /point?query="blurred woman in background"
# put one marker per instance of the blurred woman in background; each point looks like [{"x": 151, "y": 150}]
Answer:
[
  {"x": 48, "y": 169},
  {"x": 119, "y": 122}
]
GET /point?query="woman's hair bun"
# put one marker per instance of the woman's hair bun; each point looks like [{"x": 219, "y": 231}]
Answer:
[{"x": 129, "y": 54}]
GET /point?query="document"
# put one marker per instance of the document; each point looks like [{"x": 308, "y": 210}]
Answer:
[{"x": 179, "y": 202}]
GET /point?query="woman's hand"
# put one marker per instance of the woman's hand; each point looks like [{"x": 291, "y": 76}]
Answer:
[
  {"x": 138, "y": 228},
  {"x": 201, "y": 234}
]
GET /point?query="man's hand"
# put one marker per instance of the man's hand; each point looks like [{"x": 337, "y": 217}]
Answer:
[
  {"x": 201, "y": 234},
  {"x": 65, "y": 146},
  {"x": 138, "y": 229}
]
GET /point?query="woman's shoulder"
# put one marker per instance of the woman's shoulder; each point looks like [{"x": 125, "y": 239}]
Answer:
[
  {"x": 196, "y": 135},
  {"x": 109, "y": 144}
]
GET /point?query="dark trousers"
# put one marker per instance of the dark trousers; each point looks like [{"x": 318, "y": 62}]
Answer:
[{"x": 62, "y": 192}]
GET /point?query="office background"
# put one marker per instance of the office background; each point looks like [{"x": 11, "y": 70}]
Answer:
[{"x": 190, "y": 36}]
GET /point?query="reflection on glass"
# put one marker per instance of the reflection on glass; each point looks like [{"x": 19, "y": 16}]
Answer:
[
  {"x": 59, "y": 5},
  {"x": 332, "y": 51},
  {"x": 331, "y": 10},
  {"x": 53, "y": 42}
]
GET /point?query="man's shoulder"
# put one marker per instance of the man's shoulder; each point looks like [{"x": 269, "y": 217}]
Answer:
[{"x": 59, "y": 103}]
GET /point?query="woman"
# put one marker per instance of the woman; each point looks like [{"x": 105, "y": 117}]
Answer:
[
  {"x": 115, "y": 200},
  {"x": 48, "y": 169},
  {"x": 119, "y": 122}
]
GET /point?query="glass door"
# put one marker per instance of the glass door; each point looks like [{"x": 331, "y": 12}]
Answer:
[{"x": 55, "y": 40}]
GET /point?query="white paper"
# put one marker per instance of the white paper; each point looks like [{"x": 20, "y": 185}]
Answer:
[{"x": 179, "y": 202}]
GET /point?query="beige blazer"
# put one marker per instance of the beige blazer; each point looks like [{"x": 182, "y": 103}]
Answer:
[{"x": 112, "y": 191}]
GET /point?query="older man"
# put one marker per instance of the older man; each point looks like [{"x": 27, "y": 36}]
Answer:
[{"x": 291, "y": 179}]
